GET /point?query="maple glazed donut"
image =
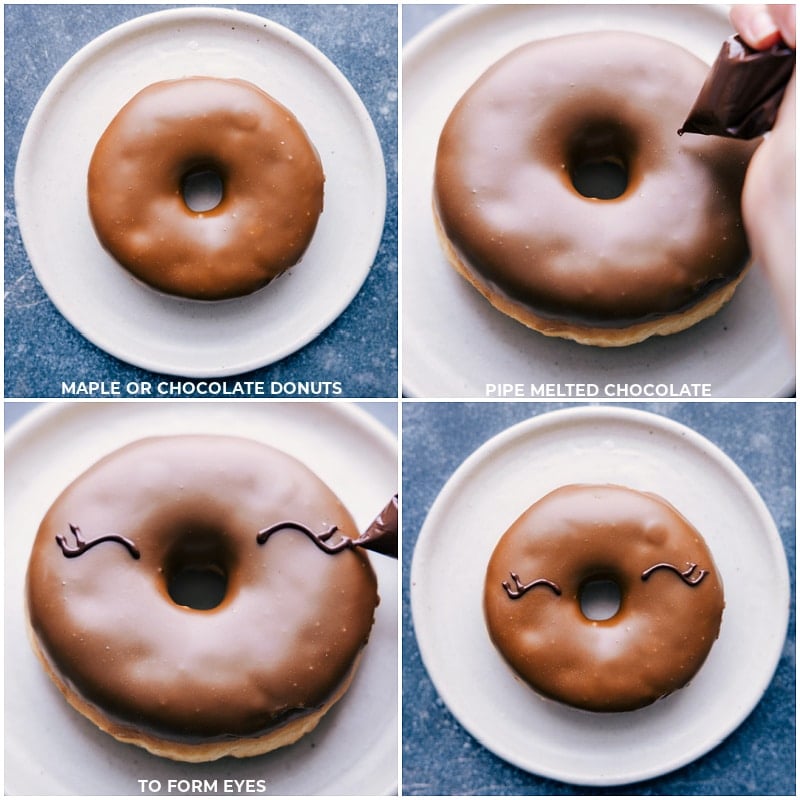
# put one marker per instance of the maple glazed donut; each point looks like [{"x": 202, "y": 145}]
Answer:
[
  {"x": 195, "y": 682},
  {"x": 558, "y": 114},
  {"x": 176, "y": 130},
  {"x": 670, "y": 592}
]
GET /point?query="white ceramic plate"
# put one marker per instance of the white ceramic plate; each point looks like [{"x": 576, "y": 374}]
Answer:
[
  {"x": 597, "y": 445},
  {"x": 130, "y": 320},
  {"x": 454, "y": 341},
  {"x": 52, "y": 750}
]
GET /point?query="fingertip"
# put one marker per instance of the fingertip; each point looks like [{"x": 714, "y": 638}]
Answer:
[
  {"x": 755, "y": 25},
  {"x": 785, "y": 17}
]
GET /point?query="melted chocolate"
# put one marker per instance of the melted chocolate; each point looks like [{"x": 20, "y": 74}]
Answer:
[
  {"x": 743, "y": 91},
  {"x": 661, "y": 634},
  {"x": 381, "y": 536},
  {"x": 686, "y": 575},
  {"x": 82, "y": 545},
  {"x": 272, "y": 187},
  {"x": 506, "y": 204},
  {"x": 278, "y": 646},
  {"x": 520, "y": 588},
  {"x": 319, "y": 539}
]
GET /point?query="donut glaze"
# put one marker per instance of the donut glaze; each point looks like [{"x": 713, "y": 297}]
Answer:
[
  {"x": 194, "y": 684},
  {"x": 670, "y": 591},
  {"x": 600, "y": 271},
  {"x": 271, "y": 176}
]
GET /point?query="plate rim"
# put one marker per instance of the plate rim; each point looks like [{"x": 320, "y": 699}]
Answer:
[
  {"x": 139, "y": 25},
  {"x": 464, "y": 14},
  {"x": 551, "y": 420},
  {"x": 40, "y": 415}
]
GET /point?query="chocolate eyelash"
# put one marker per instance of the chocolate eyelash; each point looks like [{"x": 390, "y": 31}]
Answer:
[
  {"x": 82, "y": 545},
  {"x": 384, "y": 526},
  {"x": 685, "y": 576},
  {"x": 520, "y": 588},
  {"x": 319, "y": 539},
  {"x": 380, "y": 536}
]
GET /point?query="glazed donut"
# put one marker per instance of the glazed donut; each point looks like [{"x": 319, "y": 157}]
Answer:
[
  {"x": 271, "y": 177},
  {"x": 664, "y": 254},
  {"x": 670, "y": 593},
  {"x": 188, "y": 682}
]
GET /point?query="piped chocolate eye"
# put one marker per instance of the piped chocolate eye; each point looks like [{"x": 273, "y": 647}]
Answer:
[
  {"x": 520, "y": 588},
  {"x": 686, "y": 576},
  {"x": 381, "y": 536},
  {"x": 82, "y": 545},
  {"x": 319, "y": 539}
]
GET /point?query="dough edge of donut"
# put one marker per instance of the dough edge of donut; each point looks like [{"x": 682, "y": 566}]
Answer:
[
  {"x": 598, "y": 337},
  {"x": 243, "y": 747}
]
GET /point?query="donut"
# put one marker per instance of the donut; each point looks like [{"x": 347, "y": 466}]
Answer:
[
  {"x": 196, "y": 681},
  {"x": 564, "y": 195},
  {"x": 670, "y": 598},
  {"x": 176, "y": 131}
]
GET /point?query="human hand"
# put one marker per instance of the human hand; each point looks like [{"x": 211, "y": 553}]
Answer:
[
  {"x": 762, "y": 26},
  {"x": 768, "y": 198}
]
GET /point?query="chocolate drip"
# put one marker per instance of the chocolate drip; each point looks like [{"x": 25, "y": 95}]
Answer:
[
  {"x": 81, "y": 545},
  {"x": 521, "y": 588},
  {"x": 743, "y": 91},
  {"x": 685, "y": 575}
]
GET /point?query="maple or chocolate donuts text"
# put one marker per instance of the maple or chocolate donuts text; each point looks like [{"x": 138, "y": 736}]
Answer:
[
  {"x": 518, "y": 210},
  {"x": 671, "y": 597},
  {"x": 255, "y": 671},
  {"x": 270, "y": 174}
]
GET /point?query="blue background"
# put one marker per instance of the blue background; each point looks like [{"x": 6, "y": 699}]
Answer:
[
  {"x": 440, "y": 757},
  {"x": 359, "y": 348}
]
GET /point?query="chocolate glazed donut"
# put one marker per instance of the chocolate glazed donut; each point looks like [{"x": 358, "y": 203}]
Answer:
[
  {"x": 671, "y": 597},
  {"x": 271, "y": 176},
  {"x": 253, "y": 673},
  {"x": 665, "y": 253}
]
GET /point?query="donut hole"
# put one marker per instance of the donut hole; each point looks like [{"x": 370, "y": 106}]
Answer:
[
  {"x": 202, "y": 189},
  {"x": 598, "y": 161},
  {"x": 197, "y": 569},
  {"x": 601, "y": 180},
  {"x": 200, "y": 588},
  {"x": 600, "y": 598}
]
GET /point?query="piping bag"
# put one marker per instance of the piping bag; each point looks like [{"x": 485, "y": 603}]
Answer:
[
  {"x": 743, "y": 91},
  {"x": 381, "y": 535}
]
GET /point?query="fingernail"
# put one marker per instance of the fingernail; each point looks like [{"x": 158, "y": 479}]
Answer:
[
  {"x": 762, "y": 30},
  {"x": 785, "y": 17}
]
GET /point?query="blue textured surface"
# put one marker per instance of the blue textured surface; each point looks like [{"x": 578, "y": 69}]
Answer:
[
  {"x": 359, "y": 348},
  {"x": 440, "y": 757},
  {"x": 418, "y": 17}
]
